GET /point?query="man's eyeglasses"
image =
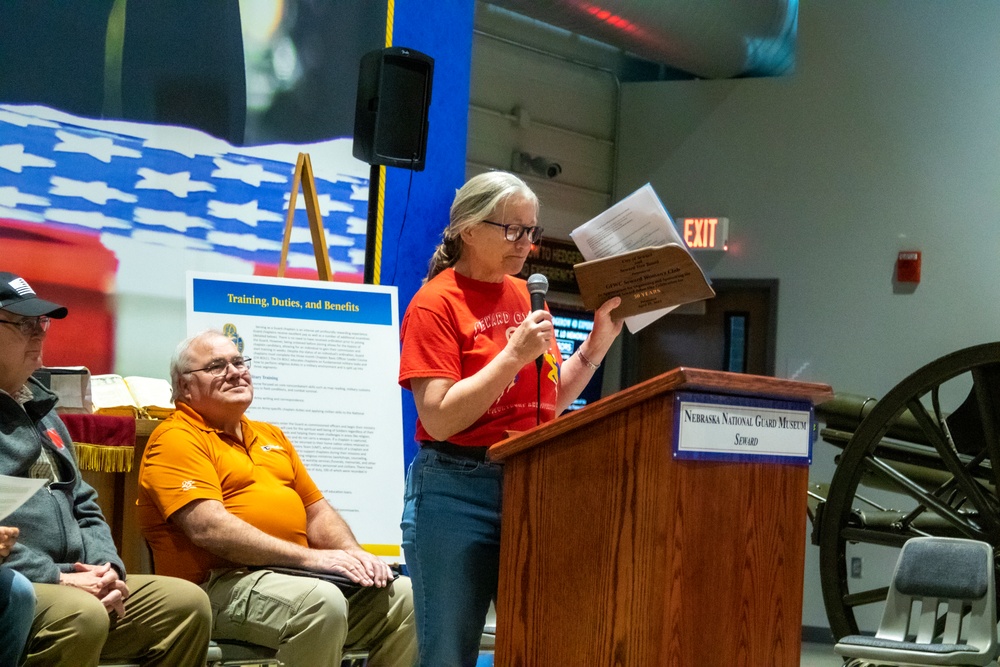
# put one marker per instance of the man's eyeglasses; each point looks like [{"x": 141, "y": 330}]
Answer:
[
  {"x": 31, "y": 325},
  {"x": 514, "y": 232},
  {"x": 219, "y": 368}
]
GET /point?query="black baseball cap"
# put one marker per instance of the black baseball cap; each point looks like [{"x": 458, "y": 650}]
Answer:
[{"x": 17, "y": 297}]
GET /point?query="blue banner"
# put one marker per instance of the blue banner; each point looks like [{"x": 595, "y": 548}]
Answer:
[{"x": 302, "y": 303}]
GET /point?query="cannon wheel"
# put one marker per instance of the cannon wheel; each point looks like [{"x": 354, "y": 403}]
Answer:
[{"x": 961, "y": 501}]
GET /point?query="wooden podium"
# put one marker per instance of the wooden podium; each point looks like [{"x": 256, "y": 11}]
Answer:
[{"x": 615, "y": 553}]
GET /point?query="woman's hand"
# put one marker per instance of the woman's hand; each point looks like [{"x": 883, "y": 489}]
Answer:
[
  {"x": 605, "y": 329},
  {"x": 576, "y": 372},
  {"x": 532, "y": 337}
]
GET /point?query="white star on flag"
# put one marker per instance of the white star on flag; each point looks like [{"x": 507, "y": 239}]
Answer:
[{"x": 179, "y": 184}]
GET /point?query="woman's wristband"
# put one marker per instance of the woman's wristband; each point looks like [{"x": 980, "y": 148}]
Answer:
[{"x": 587, "y": 361}]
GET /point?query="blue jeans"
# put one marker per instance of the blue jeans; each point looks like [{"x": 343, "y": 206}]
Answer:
[
  {"x": 451, "y": 539},
  {"x": 16, "y": 617}
]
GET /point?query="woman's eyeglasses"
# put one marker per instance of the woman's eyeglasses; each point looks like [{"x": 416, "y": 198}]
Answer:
[{"x": 514, "y": 232}]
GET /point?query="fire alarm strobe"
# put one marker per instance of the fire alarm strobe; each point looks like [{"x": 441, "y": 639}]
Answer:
[{"x": 908, "y": 266}]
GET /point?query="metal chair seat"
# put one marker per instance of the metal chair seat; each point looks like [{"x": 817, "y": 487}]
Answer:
[{"x": 235, "y": 653}]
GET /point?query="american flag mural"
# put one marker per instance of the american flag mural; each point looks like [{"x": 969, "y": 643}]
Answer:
[
  {"x": 103, "y": 209},
  {"x": 206, "y": 196}
]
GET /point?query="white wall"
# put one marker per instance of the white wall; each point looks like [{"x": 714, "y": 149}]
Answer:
[
  {"x": 530, "y": 92},
  {"x": 886, "y": 138}
]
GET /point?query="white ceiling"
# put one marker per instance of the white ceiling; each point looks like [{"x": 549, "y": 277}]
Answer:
[{"x": 713, "y": 39}]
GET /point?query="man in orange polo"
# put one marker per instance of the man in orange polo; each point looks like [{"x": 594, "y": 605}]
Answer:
[{"x": 221, "y": 494}]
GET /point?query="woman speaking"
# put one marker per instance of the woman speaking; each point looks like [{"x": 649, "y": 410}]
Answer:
[{"x": 470, "y": 341}]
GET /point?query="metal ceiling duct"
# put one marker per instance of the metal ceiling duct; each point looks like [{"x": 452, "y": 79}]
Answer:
[{"x": 712, "y": 39}]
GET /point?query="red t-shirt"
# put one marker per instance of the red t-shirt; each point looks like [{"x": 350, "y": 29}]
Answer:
[{"x": 453, "y": 327}]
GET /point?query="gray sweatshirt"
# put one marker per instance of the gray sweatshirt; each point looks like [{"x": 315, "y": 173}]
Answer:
[{"x": 61, "y": 524}]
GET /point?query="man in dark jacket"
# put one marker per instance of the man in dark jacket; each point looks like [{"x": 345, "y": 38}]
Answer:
[{"x": 86, "y": 607}]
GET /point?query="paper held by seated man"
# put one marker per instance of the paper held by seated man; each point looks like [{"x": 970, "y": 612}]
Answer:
[{"x": 634, "y": 251}]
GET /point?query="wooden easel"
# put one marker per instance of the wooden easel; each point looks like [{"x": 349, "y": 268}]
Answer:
[{"x": 304, "y": 177}]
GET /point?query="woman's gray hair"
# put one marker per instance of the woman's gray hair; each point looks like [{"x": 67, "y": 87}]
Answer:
[
  {"x": 181, "y": 359},
  {"x": 475, "y": 201}
]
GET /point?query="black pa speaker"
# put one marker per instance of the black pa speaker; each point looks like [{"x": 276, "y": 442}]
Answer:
[{"x": 390, "y": 115}]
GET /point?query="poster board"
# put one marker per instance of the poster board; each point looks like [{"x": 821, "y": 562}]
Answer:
[{"x": 325, "y": 358}]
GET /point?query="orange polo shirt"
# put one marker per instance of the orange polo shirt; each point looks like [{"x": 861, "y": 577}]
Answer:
[{"x": 261, "y": 481}]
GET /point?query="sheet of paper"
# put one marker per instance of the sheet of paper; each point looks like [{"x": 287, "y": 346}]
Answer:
[
  {"x": 638, "y": 221},
  {"x": 14, "y": 492}
]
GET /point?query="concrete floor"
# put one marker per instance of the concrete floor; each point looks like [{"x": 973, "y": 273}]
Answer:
[{"x": 820, "y": 655}]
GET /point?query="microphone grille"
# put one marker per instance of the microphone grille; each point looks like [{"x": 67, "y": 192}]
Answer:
[{"x": 538, "y": 284}]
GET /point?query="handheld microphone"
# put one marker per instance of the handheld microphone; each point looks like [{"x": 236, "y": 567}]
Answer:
[{"x": 538, "y": 285}]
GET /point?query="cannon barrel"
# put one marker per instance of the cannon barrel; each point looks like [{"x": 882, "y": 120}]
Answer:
[
  {"x": 845, "y": 411},
  {"x": 892, "y": 519}
]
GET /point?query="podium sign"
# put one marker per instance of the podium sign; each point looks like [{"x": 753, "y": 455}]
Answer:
[{"x": 737, "y": 428}]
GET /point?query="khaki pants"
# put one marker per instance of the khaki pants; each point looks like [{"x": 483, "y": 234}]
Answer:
[
  {"x": 166, "y": 623},
  {"x": 310, "y": 622}
]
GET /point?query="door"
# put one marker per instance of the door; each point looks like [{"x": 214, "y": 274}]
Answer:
[{"x": 735, "y": 331}]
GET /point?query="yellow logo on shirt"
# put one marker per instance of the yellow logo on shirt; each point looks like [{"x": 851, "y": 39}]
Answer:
[
  {"x": 267, "y": 448},
  {"x": 553, "y": 373}
]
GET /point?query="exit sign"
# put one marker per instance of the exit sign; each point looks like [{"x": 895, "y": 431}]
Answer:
[{"x": 705, "y": 233}]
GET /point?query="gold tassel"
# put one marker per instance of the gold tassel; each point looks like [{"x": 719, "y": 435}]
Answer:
[{"x": 101, "y": 458}]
